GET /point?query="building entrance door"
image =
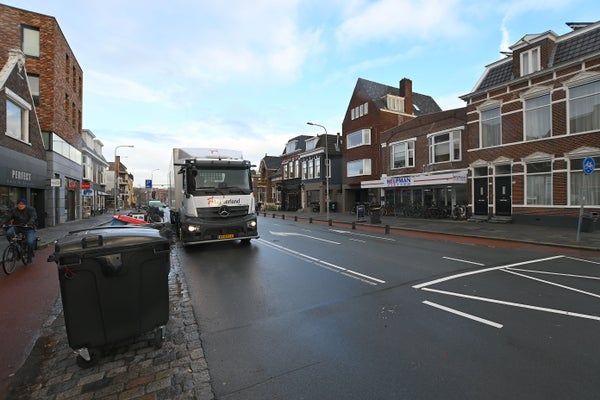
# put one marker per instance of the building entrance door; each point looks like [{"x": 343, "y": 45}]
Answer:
[
  {"x": 503, "y": 196},
  {"x": 481, "y": 196}
]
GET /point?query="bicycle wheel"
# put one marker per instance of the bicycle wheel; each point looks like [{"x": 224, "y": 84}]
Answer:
[{"x": 9, "y": 259}]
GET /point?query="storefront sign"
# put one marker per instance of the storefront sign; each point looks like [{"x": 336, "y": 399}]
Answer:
[
  {"x": 399, "y": 181},
  {"x": 71, "y": 184},
  {"x": 20, "y": 175},
  {"x": 86, "y": 184},
  {"x": 378, "y": 183},
  {"x": 55, "y": 182},
  {"x": 87, "y": 192}
]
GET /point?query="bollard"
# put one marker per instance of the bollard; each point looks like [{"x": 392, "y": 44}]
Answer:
[
  {"x": 282, "y": 216},
  {"x": 387, "y": 229},
  {"x": 295, "y": 218},
  {"x": 330, "y": 222},
  {"x": 310, "y": 220},
  {"x": 273, "y": 215},
  {"x": 353, "y": 225}
]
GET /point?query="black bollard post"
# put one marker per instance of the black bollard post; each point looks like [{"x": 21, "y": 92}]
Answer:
[
  {"x": 387, "y": 229},
  {"x": 330, "y": 222},
  {"x": 310, "y": 220},
  {"x": 273, "y": 215},
  {"x": 282, "y": 216},
  {"x": 353, "y": 225}
]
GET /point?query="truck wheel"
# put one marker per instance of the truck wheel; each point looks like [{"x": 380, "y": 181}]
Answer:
[{"x": 246, "y": 242}]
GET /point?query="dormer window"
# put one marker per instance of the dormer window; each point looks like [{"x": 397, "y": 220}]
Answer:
[
  {"x": 530, "y": 61},
  {"x": 312, "y": 143},
  {"x": 290, "y": 147},
  {"x": 395, "y": 103}
]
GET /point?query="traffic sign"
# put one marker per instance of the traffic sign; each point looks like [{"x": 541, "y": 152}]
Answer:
[
  {"x": 588, "y": 165},
  {"x": 148, "y": 183}
]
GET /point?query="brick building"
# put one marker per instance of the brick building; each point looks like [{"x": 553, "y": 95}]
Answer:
[
  {"x": 290, "y": 166},
  {"x": 93, "y": 184},
  {"x": 265, "y": 190},
  {"x": 56, "y": 83},
  {"x": 531, "y": 119},
  {"x": 424, "y": 162},
  {"x": 373, "y": 109},
  {"x": 22, "y": 154}
]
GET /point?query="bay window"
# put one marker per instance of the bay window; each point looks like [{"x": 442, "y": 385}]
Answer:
[{"x": 358, "y": 138}]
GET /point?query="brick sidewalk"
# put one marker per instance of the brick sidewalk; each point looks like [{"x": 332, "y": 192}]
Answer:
[{"x": 136, "y": 371}]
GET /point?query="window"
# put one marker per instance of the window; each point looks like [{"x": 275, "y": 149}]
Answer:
[
  {"x": 304, "y": 173},
  {"x": 491, "y": 127},
  {"x": 311, "y": 173},
  {"x": 17, "y": 121},
  {"x": 87, "y": 167},
  {"x": 584, "y": 185},
  {"x": 65, "y": 149},
  {"x": 285, "y": 171},
  {"x": 31, "y": 41},
  {"x": 67, "y": 62},
  {"x": 317, "y": 167},
  {"x": 584, "y": 107},
  {"x": 291, "y": 146},
  {"x": 312, "y": 143},
  {"x": 403, "y": 154},
  {"x": 539, "y": 183},
  {"x": 538, "y": 120},
  {"x": 359, "y": 111},
  {"x": 34, "y": 86},
  {"x": 74, "y": 79},
  {"x": 359, "y": 167},
  {"x": 73, "y": 115},
  {"x": 444, "y": 147},
  {"x": 328, "y": 168},
  {"x": 530, "y": 61},
  {"x": 297, "y": 169},
  {"x": 395, "y": 103},
  {"x": 358, "y": 138},
  {"x": 66, "y": 106}
]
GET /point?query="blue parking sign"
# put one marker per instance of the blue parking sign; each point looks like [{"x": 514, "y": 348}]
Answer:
[
  {"x": 148, "y": 183},
  {"x": 589, "y": 165}
]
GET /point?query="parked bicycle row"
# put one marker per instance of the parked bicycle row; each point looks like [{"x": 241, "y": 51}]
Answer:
[{"x": 456, "y": 212}]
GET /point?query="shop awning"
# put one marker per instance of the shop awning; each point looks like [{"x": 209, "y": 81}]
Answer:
[
  {"x": 449, "y": 178},
  {"x": 99, "y": 193}
]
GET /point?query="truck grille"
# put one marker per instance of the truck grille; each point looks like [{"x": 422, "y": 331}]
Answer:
[{"x": 222, "y": 212}]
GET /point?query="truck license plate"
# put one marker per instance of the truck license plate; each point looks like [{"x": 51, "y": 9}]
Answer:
[{"x": 228, "y": 236}]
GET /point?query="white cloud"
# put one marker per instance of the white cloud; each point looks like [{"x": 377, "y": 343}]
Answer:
[
  {"x": 106, "y": 85},
  {"x": 397, "y": 20},
  {"x": 505, "y": 43},
  {"x": 450, "y": 101}
]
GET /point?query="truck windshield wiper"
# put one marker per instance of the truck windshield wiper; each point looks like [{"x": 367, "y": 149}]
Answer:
[{"x": 242, "y": 190}]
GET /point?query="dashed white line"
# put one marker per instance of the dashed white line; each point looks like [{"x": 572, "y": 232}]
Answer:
[
  {"x": 520, "y": 305},
  {"x": 465, "y": 261},
  {"x": 303, "y": 235},
  {"x": 322, "y": 263},
  {"x": 464, "y": 314},
  {"x": 552, "y": 283},
  {"x": 535, "y": 271},
  {"x": 357, "y": 240},
  {"x": 479, "y": 271},
  {"x": 362, "y": 234}
]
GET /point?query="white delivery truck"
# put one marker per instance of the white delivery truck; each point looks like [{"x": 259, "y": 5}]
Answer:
[{"x": 210, "y": 195}]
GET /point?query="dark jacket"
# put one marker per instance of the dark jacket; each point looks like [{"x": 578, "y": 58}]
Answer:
[{"x": 27, "y": 216}]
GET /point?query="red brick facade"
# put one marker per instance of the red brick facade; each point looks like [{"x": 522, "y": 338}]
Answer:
[{"x": 60, "y": 75}]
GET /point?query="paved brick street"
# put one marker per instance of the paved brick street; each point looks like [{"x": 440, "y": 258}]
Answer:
[{"x": 136, "y": 371}]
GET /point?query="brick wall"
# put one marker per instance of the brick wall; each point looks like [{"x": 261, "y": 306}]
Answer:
[{"x": 56, "y": 78}]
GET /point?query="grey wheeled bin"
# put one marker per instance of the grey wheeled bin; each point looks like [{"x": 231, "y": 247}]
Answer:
[{"x": 114, "y": 287}]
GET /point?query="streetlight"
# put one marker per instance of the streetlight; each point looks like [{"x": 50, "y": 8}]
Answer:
[
  {"x": 152, "y": 181},
  {"x": 117, "y": 175},
  {"x": 326, "y": 167}
]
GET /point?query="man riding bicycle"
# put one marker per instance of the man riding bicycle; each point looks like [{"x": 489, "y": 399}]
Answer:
[{"x": 22, "y": 219}]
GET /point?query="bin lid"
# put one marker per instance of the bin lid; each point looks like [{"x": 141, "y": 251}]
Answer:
[{"x": 108, "y": 239}]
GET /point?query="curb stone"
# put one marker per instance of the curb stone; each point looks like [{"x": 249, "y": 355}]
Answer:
[{"x": 178, "y": 370}]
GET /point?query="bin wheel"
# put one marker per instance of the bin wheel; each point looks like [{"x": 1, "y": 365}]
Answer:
[
  {"x": 94, "y": 359},
  {"x": 157, "y": 341},
  {"x": 246, "y": 242}
]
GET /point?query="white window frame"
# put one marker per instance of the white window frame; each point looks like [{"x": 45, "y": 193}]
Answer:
[
  {"x": 592, "y": 78},
  {"x": 32, "y": 51},
  {"x": 25, "y": 108},
  {"x": 570, "y": 178},
  {"x": 407, "y": 152},
  {"x": 297, "y": 169},
  {"x": 532, "y": 96},
  {"x": 328, "y": 167},
  {"x": 527, "y": 174},
  {"x": 304, "y": 170},
  {"x": 481, "y": 120},
  {"x": 365, "y": 138},
  {"x": 366, "y": 107},
  {"x": 530, "y": 66},
  {"x": 311, "y": 169},
  {"x": 318, "y": 167},
  {"x": 452, "y": 136},
  {"x": 366, "y": 167}
]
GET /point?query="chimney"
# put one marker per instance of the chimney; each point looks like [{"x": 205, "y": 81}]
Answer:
[{"x": 406, "y": 92}]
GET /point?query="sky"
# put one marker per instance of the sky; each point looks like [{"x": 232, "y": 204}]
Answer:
[{"x": 248, "y": 75}]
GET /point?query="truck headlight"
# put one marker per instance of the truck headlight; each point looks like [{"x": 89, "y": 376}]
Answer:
[
  {"x": 193, "y": 228},
  {"x": 251, "y": 224}
]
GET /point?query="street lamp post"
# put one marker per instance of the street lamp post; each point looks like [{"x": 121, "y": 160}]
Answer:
[
  {"x": 116, "y": 197},
  {"x": 327, "y": 168}
]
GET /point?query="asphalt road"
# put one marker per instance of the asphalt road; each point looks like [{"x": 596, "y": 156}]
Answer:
[{"x": 313, "y": 312}]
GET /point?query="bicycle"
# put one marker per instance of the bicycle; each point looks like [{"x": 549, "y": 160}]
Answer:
[{"x": 17, "y": 249}]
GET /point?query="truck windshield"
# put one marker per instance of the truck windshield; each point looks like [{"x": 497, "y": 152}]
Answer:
[{"x": 220, "y": 180}]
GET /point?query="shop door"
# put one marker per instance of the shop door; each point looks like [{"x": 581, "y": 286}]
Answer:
[
  {"x": 70, "y": 205},
  {"x": 503, "y": 195},
  {"x": 37, "y": 201},
  {"x": 481, "y": 196}
]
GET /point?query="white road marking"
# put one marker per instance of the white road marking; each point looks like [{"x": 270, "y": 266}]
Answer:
[
  {"x": 520, "y": 305},
  {"x": 463, "y": 314},
  {"x": 322, "y": 263},
  {"x": 276, "y": 224},
  {"x": 363, "y": 235},
  {"x": 306, "y": 230},
  {"x": 479, "y": 271},
  {"x": 465, "y": 261},
  {"x": 584, "y": 260},
  {"x": 357, "y": 240},
  {"x": 302, "y": 235},
  {"x": 535, "y": 271},
  {"x": 552, "y": 283}
]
